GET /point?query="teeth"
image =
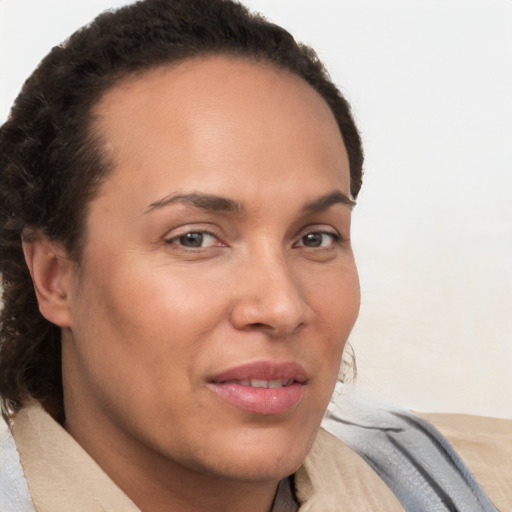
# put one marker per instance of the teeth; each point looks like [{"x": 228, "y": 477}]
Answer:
[
  {"x": 256, "y": 383},
  {"x": 259, "y": 383}
]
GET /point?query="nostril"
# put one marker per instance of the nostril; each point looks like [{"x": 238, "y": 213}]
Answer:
[
  {"x": 259, "y": 325},
  {"x": 275, "y": 329}
]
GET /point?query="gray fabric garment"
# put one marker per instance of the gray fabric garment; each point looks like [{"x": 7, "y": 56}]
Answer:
[
  {"x": 284, "y": 500},
  {"x": 14, "y": 495},
  {"x": 409, "y": 454}
]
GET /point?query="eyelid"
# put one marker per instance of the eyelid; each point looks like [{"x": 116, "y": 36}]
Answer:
[{"x": 320, "y": 228}]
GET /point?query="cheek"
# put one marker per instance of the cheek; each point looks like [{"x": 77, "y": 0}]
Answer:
[
  {"x": 341, "y": 304},
  {"x": 144, "y": 295},
  {"x": 150, "y": 321},
  {"x": 135, "y": 341},
  {"x": 335, "y": 299}
]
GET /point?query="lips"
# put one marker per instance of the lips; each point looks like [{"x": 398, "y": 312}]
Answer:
[{"x": 263, "y": 387}]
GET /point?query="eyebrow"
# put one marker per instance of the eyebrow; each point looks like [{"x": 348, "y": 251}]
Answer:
[
  {"x": 324, "y": 202},
  {"x": 198, "y": 200},
  {"x": 218, "y": 203}
]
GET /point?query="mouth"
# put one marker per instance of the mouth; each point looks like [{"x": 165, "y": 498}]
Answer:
[{"x": 264, "y": 387}]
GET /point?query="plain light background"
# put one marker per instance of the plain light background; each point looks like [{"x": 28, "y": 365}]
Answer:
[{"x": 430, "y": 82}]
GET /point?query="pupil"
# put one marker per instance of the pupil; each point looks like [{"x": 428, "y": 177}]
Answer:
[
  {"x": 192, "y": 240},
  {"x": 313, "y": 240}
]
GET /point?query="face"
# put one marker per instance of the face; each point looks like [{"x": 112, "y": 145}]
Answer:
[{"x": 217, "y": 288}]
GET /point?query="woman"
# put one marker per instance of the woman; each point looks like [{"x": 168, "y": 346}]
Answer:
[{"x": 177, "y": 182}]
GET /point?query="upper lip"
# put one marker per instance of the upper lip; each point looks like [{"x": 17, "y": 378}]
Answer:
[{"x": 263, "y": 370}]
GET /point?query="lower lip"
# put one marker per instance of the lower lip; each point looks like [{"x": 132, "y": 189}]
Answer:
[{"x": 260, "y": 400}]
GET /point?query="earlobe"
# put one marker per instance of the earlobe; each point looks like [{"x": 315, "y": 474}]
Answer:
[{"x": 51, "y": 271}]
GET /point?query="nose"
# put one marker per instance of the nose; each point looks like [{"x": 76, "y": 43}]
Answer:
[{"x": 269, "y": 297}]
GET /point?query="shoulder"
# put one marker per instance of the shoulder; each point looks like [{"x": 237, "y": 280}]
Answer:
[
  {"x": 407, "y": 457},
  {"x": 333, "y": 474},
  {"x": 485, "y": 446}
]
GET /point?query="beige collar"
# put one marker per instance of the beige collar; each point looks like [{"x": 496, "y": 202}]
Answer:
[
  {"x": 333, "y": 477},
  {"x": 61, "y": 476}
]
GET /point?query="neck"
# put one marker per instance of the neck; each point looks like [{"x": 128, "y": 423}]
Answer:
[
  {"x": 156, "y": 483},
  {"x": 169, "y": 487}
]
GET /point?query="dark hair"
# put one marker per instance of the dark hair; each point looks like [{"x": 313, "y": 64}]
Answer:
[{"x": 51, "y": 164}]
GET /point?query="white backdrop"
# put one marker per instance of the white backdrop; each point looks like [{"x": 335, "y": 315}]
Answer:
[{"x": 430, "y": 83}]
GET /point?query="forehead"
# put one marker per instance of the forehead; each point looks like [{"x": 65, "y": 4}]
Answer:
[
  {"x": 212, "y": 81},
  {"x": 217, "y": 116}
]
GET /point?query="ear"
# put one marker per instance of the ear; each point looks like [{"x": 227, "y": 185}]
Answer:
[{"x": 52, "y": 272}]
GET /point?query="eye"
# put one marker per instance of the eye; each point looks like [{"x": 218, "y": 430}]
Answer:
[
  {"x": 318, "y": 239},
  {"x": 194, "y": 240}
]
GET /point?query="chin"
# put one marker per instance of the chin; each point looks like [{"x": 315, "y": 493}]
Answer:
[
  {"x": 268, "y": 455},
  {"x": 255, "y": 468}
]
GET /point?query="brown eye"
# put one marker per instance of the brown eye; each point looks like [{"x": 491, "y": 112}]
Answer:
[
  {"x": 313, "y": 239},
  {"x": 191, "y": 240},
  {"x": 318, "y": 240},
  {"x": 194, "y": 240}
]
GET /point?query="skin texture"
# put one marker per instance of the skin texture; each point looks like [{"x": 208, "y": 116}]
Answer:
[{"x": 148, "y": 320}]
